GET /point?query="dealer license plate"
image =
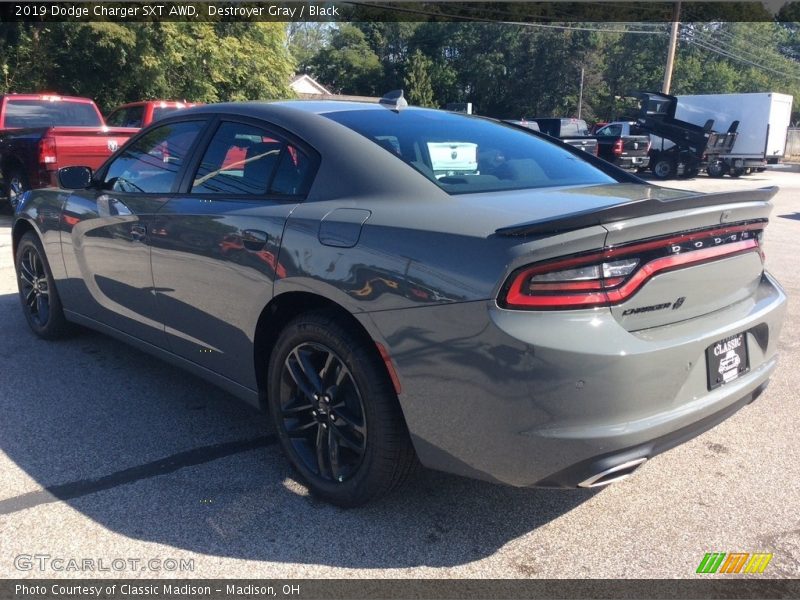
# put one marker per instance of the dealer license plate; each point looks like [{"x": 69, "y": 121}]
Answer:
[{"x": 727, "y": 359}]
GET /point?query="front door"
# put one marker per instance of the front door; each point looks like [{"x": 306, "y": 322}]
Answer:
[{"x": 106, "y": 231}]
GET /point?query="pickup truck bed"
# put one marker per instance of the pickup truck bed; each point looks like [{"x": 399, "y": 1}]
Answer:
[
  {"x": 574, "y": 132},
  {"x": 40, "y": 134}
]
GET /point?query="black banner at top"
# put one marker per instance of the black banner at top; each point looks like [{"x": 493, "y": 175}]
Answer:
[{"x": 378, "y": 10}]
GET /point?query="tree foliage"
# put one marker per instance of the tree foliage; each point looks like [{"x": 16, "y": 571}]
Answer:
[
  {"x": 523, "y": 70},
  {"x": 115, "y": 63},
  {"x": 505, "y": 70},
  {"x": 418, "y": 80}
]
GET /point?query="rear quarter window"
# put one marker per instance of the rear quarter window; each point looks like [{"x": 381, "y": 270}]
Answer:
[{"x": 464, "y": 154}]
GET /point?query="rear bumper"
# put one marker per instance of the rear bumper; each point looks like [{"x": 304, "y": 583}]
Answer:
[
  {"x": 549, "y": 399},
  {"x": 632, "y": 162},
  {"x": 585, "y": 473}
]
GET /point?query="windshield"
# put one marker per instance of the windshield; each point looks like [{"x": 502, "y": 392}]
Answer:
[
  {"x": 465, "y": 154},
  {"x": 51, "y": 113}
]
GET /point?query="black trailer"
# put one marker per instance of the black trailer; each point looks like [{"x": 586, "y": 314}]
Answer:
[{"x": 694, "y": 147}]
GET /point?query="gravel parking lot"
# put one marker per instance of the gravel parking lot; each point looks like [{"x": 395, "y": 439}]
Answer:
[{"x": 107, "y": 453}]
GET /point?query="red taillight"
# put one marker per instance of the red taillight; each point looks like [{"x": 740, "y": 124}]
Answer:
[
  {"x": 613, "y": 275},
  {"x": 618, "y": 147},
  {"x": 47, "y": 152}
]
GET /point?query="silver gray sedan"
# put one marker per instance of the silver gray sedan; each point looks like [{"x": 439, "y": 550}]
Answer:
[{"x": 401, "y": 286}]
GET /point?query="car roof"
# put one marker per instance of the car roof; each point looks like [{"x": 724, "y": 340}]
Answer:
[
  {"x": 319, "y": 107},
  {"x": 158, "y": 102},
  {"x": 47, "y": 96}
]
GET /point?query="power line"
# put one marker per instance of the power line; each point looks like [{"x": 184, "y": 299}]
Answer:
[
  {"x": 505, "y": 13},
  {"x": 721, "y": 52}
]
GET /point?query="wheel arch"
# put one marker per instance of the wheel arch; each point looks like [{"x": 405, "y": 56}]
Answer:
[
  {"x": 21, "y": 227},
  {"x": 10, "y": 162},
  {"x": 285, "y": 307}
]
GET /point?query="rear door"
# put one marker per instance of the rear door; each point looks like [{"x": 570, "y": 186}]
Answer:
[
  {"x": 216, "y": 245},
  {"x": 106, "y": 231}
]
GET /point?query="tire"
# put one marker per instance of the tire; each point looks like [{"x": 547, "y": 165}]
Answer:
[
  {"x": 716, "y": 169},
  {"x": 736, "y": 172},
  {"x": 37, "y": 290},
  {"x": 336, "y": 412},
  {"x": 690, "y": 173},
  {"x": 664, "y": 168},
  {"x": 15, "y": 182}
]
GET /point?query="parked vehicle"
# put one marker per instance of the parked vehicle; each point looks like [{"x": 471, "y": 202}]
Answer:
[
  {"x": 141, "y": 114},
  {"x": 511, "y": 309},
  {"x": 679, "y": 148},
  {"x": 761, "y": 134},
  {"x": 532, "y": 125},
  {"x": 624, "y": 144},
  {"x": 574, "y": 132},
  {"x": 40, "y": 133}
]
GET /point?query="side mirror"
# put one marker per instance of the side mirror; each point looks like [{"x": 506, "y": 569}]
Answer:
[{"x": 74, "y": 178}]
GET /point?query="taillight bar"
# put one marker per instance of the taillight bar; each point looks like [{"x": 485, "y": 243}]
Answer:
[{"x": 569, "y": 282}]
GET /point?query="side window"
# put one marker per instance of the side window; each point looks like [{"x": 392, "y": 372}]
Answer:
[
  {"x": 152, "y": 163},
  {"x": 246, "y": 160},
  {"x": 134, "y": 117},
  {"x": 126, "y": 117},
  {"x": 292, "y": 176},
  {"x": 611, "y": 130},
  {"x": 116, "y": 118}
]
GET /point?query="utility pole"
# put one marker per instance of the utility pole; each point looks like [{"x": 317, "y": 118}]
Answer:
[
  {"x": 673, "y": 42},
  {"x": 580, "y": 95}
]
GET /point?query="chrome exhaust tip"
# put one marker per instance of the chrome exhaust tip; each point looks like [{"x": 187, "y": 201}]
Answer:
[{"x": 614, "y": 474}]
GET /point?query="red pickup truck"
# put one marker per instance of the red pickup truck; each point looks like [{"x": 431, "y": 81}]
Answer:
[
  {"x": 41, "y": 133},
  {"x": 141, "y": 114}
]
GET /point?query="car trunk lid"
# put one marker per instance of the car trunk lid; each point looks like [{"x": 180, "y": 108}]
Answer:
[{"x": 692, "y": 254}]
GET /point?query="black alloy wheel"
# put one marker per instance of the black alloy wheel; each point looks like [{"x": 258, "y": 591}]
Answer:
[
  {"x": 336, "y": 412},
  {"x": 37, "y": 291},
  {"x": 323, "y": 412}
]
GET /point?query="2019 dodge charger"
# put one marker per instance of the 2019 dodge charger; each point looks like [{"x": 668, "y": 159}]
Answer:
[{"x": 402, "y": 285}]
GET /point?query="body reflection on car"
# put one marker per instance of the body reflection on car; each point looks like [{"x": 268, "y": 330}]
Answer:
[{"x": 401, "y": 286}]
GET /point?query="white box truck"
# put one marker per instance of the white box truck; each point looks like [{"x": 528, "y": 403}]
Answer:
[{"x": 761, "y": 135}]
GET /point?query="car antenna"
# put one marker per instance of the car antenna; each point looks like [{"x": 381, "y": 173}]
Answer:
[{"x": 394, "y": 100}]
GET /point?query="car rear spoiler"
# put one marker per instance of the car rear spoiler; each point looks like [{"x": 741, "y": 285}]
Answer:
[{"x": 633, "y": 209}]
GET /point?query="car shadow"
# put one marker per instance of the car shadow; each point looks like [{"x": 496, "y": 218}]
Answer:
[{"x": 155, "y": 454}]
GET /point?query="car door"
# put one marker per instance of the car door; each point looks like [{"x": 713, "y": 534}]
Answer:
[
  {"x": 216, "y": 246},
  {"x": 106, "y": 230}
]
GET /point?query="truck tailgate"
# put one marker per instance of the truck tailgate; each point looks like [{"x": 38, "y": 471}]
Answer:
[
  {"x": 635, "y": 145},
  {"x": 86, "y": 146},
  {"x": 586, "y": 144}
]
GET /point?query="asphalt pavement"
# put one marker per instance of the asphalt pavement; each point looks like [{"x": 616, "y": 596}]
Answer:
[{"x": 108, "y": 454}]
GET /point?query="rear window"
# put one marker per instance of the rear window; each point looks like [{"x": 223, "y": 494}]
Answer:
[
  {"x": 50, "y": 113},
  {"x": 574, "y": 127},
  {"x": 464, "y": 154}
]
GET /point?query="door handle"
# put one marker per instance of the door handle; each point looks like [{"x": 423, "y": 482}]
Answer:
[
  {"x": 254, "y": 239},
  {"x": 138, "y": 233}
]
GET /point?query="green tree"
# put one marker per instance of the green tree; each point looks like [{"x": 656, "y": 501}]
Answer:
[
  {"x": 418, "y": 80},
  {"x": 348, "y": 64}
]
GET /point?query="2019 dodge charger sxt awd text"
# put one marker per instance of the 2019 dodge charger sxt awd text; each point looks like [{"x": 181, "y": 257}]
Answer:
[{"x": 403, "y": 286}]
